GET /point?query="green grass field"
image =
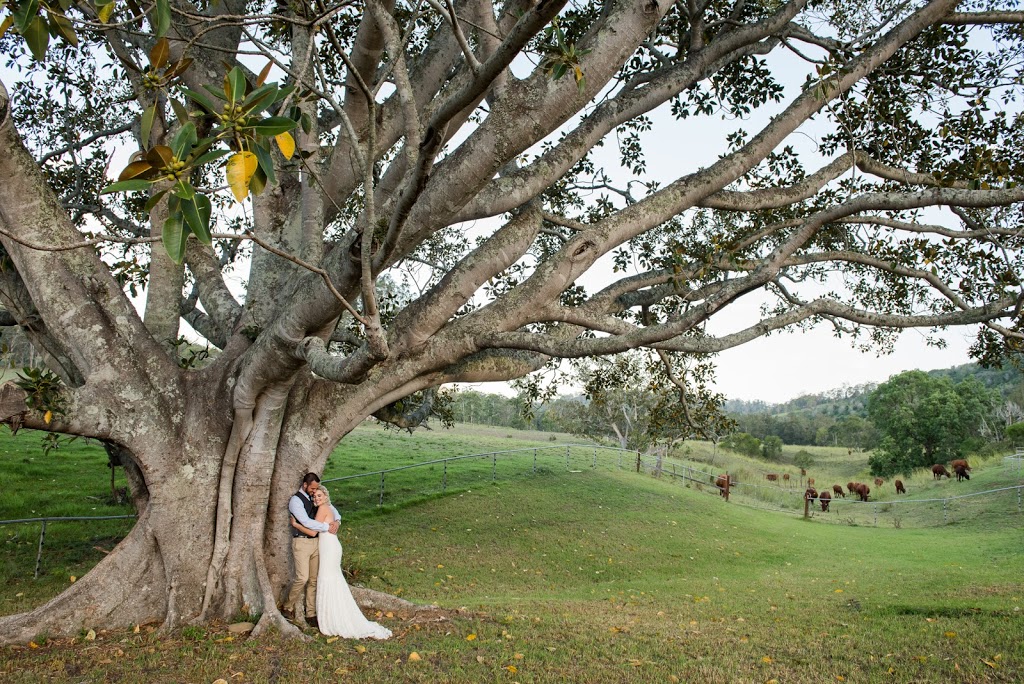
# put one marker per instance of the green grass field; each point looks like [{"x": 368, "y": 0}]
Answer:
[{"x": 597, "y": 575}]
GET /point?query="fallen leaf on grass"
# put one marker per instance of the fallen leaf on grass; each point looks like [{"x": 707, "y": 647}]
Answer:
[
  {"x": 414, "y": 657},
  {"x": 33, "y": 644},
  {"x": 518, "y": 656},
  {"x": 950, "y": 635},
  {"x": 90, "y": 635},
  {"x": 331, "y": 640},
  {"x": 480, "y": 659},
  {"x": 73, "y": 579},
  {"x": 220, "y": 681},
  {"x": 767, "y": 660},
  {"x": 360, "y": 648},
  {"x": 512, "y": 668},
  {"x": 470, "y": 637},
  {"x": 989, "y": 663}
]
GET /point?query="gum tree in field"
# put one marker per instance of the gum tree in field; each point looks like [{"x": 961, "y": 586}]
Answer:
[{"x": 470, "y": 146}]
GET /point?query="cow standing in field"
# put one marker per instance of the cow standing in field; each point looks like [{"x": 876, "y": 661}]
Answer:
[
  {"x": 723, "y": 482},
  {"x": 900, "y": 489},
  {"x": 851, "y": 487},
  {"x": 960, "y": 463},
  {"x": 772, "y": 477},
  {"x": 838, "y": 490},
  {"x": 961, "y": 473},
  {"x": 938, "y": 470},
  {"x": 811, "y": 493},
  {"x": 879, "y": 482},
  {"x": 785, "y": 478},
  {"x": 825, "y": 498},
  {"x": 862, "y": 491}
]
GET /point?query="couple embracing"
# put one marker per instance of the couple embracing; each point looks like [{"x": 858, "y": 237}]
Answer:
[{"x": 317, "y": 555}]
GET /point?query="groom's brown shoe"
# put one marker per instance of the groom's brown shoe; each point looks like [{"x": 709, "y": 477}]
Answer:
[{"x": 311, "y": 621}]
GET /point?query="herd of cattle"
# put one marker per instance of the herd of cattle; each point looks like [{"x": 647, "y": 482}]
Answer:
[{"x": 960, "y": 467}]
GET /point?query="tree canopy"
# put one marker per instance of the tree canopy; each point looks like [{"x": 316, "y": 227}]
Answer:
[
  {"x": 926, "y": 420},
  {"x": 260, "y": 170}
]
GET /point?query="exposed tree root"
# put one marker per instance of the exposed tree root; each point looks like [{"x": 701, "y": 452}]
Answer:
[{"x": 126, "y": 588}]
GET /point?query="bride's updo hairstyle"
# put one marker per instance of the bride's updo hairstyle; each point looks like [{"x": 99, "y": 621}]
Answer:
[{"x": 327, "y": 494}]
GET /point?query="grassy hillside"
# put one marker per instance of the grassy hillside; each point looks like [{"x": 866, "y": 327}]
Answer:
[{"x": 603, "y": 575}]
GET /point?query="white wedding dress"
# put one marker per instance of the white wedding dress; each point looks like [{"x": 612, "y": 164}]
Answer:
[{"x": 336, "y": 611}]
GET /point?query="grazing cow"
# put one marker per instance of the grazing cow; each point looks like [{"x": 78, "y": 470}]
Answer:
[
  {"x": 723, "y": 481},
  {"x": 785, "y": 476},
  {"x": 900, "y": 489},
  {"x": 851, "y": 487},
  {"x": 938, "y": 470},
  {"x": 772, "y": 477},
  {"x": 879, "y": 482},
  {"x": 803, "y": 472},
  {"x": 838, "y": 490},
  {"x": 862, "y": 491},
  {"x": 960, "y": 462},
  {"x": 825, "y": 498},
  {"x": 961, "y": 473},
  {"x": 811, "y": 494}
]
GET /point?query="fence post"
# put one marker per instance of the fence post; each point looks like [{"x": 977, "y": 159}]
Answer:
[
  {"x": 494, "y": 467},
  {"x": 728, "y": 481},
  {"x": 620, "y": 459},
  {"x": 566, "y": 458},
  {"x": 39, "y": 554},
  {"x": 444, "y": 480},
  {"x": 1018, "y": 500},
  {"x": 875, "y": 507},
  {"x": 807, "y": 505},
  {"x": 595, "y": 457},
  {"x": 535, "y": 461},
  {"x": 381, "y": 502},
  {"x": 945, "y": 516},
  {"x": 638, "y": 461}
]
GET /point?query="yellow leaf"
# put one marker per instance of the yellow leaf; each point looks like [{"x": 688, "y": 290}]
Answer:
[
  {"x": 389, "y": 614},
  {"x": 331, "y": 640},
  {"x": 360, "y": 648},
  {"x": 839, "y": 591},
  {"x": 286, "y": 142},
  {"x": 33, "y": 644},
  {"x": 512, "y": 668},
  {"x": 480, "y": 659},
  {"x": 989, "y": 663},
  {"x": 47, "y": 417},
  {"x": 105, "y": 11},
  {"x": 439, "y": 565},
  {"x": 73, "y": 579},
  {"x": 518, "y": 656},
  {"x": 136, "y": 630},
  {"x": 470, "y": 637},
  {"x": 241, "y": 166},
  {"x": 90, "y": 635},
  {"x": 220, "y": 681},
  {"x": 950, "y": 635},
  {"x": 414, "y": 657},
  {"x": 767, "y": 660}
]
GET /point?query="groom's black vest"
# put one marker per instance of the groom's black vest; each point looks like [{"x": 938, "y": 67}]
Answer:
[{"x": 310, "y": 507}]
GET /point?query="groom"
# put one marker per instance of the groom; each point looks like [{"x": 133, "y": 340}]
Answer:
[{"x": 306, "y": 549}]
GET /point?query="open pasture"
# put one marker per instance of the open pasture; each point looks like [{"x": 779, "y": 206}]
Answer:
[{"x": 604, "y": 575}]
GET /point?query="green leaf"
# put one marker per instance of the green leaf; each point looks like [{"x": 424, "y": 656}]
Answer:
[
  {"x": 234, "y": 85},
  {"x": 184, "y": 191},
  {"x": 7, "y": 23},
  {"x": 201, "y": 100},
  {"x": 37, "y": 35},
  {"x": 260, "y": 99},
  {"x": 209, "y": 157},
  {"x": 160, "y": 53},
  {"x": 258, "y": 182},
  {"x": 559, "y": 71},
  {"x": 162, "y": 18},
  {"x": 265, "y": 162},
  {"x": 179, "y": 111},
  {"x": 306, "y": 122},
  {"x": 147, "y": 123},
  {"x": 61, "y": 25},
  {"x": 154, "y": 200},
  {"x": 197, "y": 217},
  {"x": 127, "y": 186},
  {"x": 24, "y": 15},
  {"x": 104, "y": 10},
  {"x": 273, "y": 125},
  {"x": 183, "y": 140},
  {"x": 175, "y": 236}
]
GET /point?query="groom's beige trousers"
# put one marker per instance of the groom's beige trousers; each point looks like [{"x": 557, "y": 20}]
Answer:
[{"x": 306, "y": 555}]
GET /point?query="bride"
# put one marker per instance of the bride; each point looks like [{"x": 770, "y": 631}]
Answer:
[{"x": 336, "y": 610}]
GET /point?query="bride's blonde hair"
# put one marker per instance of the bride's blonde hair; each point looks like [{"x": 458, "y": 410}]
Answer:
[{"x": 327, "y": 494}]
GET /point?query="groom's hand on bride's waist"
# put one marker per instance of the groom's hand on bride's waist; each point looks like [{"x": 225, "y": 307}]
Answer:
[{"x": 333, "y": 527}]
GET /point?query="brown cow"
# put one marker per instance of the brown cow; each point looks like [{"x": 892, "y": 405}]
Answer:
[
  {"x": 838, "y": 490},
  {"x": 862, "y": 490},
  {"x": 810, "y": 482},
  {"x": 772, "y": 477},
  {"x": 811, "y": 493},
  {"x": 803, "y": 472},
  {"x": 900, "y": 489},
  {"x": 851, "y": 487},
  {"x": 723, "y": 481},
  {"x": 960, "y": 462},
  {"x": 824, "y": 498},
  {"x": 879, "y": 482},
  {"x": 961, "y": 473},
  {"x": 785, "y": 476},
  {"x": 938, "y": 470}
]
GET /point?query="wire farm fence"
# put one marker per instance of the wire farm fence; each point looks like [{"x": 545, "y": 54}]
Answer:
[
  {"x": 99, "y": 525},
  {"x": 366, "y": 491}
]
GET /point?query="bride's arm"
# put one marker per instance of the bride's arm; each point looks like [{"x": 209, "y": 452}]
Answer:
[{"x": 305, "y": 530}]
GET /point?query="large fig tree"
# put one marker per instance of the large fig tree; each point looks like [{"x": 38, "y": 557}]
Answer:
[{"x": 262, "y": 170}]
